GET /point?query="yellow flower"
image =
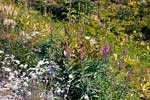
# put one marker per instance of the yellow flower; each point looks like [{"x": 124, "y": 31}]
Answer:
[
  {"x": 131, "y": 4},
  {"x": 95, "y": 17},
  {"x": 148, "y": 48},
  {"x": 115, "y": 56},
  {"x": 142, "y": 43},
  {"x": 125, "y": 60},
  {"x": 143, "y": 87}
]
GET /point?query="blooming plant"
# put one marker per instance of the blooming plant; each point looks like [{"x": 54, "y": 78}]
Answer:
[{"x": 74, "y": 50}]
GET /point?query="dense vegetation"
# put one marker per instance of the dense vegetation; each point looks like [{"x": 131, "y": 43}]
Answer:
[{"x": 75, "y": 49}]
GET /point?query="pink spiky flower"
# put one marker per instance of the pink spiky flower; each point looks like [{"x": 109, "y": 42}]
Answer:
[
  {"x": 83, "y": 52},
  {"x": 105, "y": 50},
  {"x": 67, "y": 53}
]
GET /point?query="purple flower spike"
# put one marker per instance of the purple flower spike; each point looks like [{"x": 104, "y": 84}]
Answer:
[
  {"x": 83, "y": 52},
  {"x": 105, "y": 50},
  {"x": 7, "y": 34},
  {"x": 67, "y": 53},
  {"x": 51, "y": 29},
  {"x": 122, "y": 65},
  {"x": 129, "y": 75}
]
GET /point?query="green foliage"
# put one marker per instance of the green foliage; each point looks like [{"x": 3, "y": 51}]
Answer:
[
  {"x": 124, "y": 13},
  {"x": 101, "y": 48}
]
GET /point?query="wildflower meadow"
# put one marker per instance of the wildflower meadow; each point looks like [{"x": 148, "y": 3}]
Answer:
[{"x": 74, "y": 49}]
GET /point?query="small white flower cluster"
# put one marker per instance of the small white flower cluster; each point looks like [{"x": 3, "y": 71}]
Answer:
[
  {"x": 12, "y": 58},
  {"x": 7, "y": 13},
  {"x": 85, "y": 97},
  {"x": 9, "y": 62},
  {"x": 23, "y": 66},
  {"x": 91, "y": 40},
  {"x": 1, "y": 52},
  {"x": 43, "y": 67},
  {"x": 9, "y": 22},
  {"x": 25, "y": 36},
  {"x": 11, "y": 79},
  {"x": 8, "y": 10},
  {"x": 35, "y": 33},
  {"x": 19, "y": 82}
]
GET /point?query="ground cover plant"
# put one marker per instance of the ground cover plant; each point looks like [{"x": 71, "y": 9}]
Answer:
[{"x": 74, "y": 50}]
